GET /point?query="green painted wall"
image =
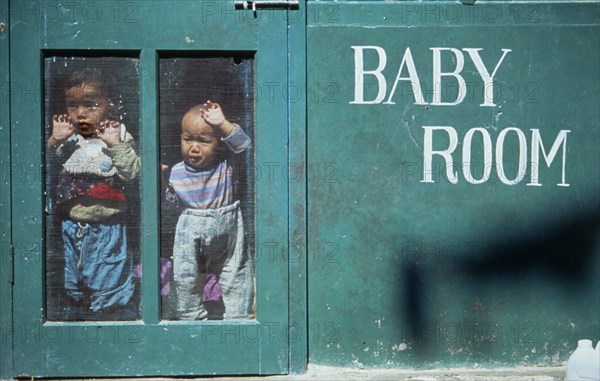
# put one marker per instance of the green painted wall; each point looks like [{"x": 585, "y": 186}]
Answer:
[{"x": 418, "y": 267}]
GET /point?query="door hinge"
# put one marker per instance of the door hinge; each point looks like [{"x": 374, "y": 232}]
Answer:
[{"x": 266, "y": 4}]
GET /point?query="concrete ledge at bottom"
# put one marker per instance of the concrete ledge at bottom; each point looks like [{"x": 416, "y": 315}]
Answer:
[
  {"x": 327, "y": 373},
  {"x": 317, "y": 372}
]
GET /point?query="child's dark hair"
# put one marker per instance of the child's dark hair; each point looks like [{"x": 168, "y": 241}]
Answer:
[{"x": 106, "y": 83}]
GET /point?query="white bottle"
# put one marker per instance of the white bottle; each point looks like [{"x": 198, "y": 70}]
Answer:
[{"x": 584, "y": 363}]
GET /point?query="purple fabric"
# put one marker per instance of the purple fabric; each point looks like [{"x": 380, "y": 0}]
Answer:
[
  {"x": 212, "y": 290},
  {"x": 166, "y": 273},
  {"x": 166, "y": 268}
]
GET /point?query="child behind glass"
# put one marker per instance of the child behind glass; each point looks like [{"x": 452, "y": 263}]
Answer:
[
  {"x": 210, "y": 263},
  {"x": 98, "y": 163}
]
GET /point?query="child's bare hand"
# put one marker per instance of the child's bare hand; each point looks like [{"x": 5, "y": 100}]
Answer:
[
  {"x": 213, "y": 114},
  {"x": 164, "y": 176},
  {"x": 62, "y": 128},
  {"x": 110, "y": 132},
  {"x": 164, "y": 172}
]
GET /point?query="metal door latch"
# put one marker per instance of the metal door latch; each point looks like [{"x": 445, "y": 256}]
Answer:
[{"x": 266, "y": 4}]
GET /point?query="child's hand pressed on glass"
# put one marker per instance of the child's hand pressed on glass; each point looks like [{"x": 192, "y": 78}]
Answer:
[
  {"x": 62, "y": 128},
  {"x": 213, "y": 114},
  {"x": 110, "y": 132}
]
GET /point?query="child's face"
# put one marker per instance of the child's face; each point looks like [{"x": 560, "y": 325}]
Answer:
[
  {"x": 87, "y": 107},
  {"x": 198, "y": 142}
]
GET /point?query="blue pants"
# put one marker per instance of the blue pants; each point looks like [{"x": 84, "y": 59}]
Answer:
[
  {"x": 209, "y": 243},
  {"x": 97, "y": 266}
]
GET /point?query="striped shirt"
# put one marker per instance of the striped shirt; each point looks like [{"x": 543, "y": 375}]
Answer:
[{"x": 208, "y": 189}]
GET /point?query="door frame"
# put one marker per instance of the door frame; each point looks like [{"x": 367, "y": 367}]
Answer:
[
  {"x": 297, "y": 267},
  {"x": 6, "y": 249}
]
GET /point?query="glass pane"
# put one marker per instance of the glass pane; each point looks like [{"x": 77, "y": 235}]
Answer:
[
  {"x": 92, "y": 170},
  {"x": 207, "y": 205}
]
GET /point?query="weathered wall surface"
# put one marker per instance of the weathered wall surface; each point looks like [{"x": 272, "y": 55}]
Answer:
[{"x": 453, "y": 197}]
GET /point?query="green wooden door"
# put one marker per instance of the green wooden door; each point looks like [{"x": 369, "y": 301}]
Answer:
[{"x": 162, "y": 58}]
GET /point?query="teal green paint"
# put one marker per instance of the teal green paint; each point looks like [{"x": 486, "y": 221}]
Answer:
[
  {"x": 272, "y": 214},
  {"x": 27, "y": 209},
  {"x": 406, "y": 273},
  {"x": 443, "y": 13},
  {"x": 6, "y": 341},
  {"x": 150, "y": 186},
  {"x": 297, "y": 184},
  {"x": 149, "y": 347}
]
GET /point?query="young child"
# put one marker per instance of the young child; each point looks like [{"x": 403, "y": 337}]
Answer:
[
  {"x": 209, "y": 260},
  {"x": 98, "y": 161}
]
